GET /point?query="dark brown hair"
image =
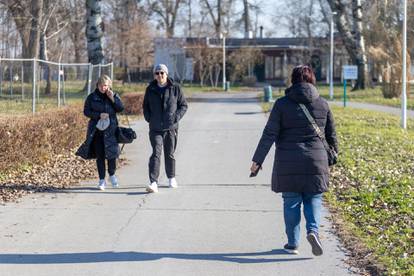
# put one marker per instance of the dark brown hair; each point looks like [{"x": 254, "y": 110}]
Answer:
[{"x": 303, "y": 73}]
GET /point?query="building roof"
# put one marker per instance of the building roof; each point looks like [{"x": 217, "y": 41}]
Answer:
[{"x": 270, "y": 43}]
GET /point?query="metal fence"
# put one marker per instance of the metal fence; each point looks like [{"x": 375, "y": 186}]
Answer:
[{"x": 33, "y": 84}]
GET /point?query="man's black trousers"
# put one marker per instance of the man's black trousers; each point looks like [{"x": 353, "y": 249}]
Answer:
[{"x": 159, "y": 140}]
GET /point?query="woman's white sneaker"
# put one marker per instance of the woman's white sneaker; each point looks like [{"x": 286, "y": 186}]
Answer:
[
  {"x": 114, "y": 181},
  {"x": 152, "y": 188},
  {"x": 102, "y": 184},
  {"x": 172, "y": 183}
]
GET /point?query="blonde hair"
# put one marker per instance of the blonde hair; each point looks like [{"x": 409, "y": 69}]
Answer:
[{"x": 104, "y": 79}]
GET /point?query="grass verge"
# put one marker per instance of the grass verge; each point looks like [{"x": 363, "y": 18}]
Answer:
[{"x": 372, "y": 188}]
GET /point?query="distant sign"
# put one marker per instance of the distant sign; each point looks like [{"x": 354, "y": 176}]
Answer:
[{"x": 350, "y": 72}]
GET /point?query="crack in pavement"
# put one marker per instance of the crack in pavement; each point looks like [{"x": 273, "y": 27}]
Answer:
[{"x": 119, "y": 232}]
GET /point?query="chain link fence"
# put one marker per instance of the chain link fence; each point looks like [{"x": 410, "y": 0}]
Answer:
[{"x": 31, "y": 85}]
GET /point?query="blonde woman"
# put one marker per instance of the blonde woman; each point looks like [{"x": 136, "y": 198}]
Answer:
[{"x": 101, "y": 107}]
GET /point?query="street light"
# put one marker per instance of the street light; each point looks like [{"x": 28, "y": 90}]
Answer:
[
  {"x": 331, "y": 90},
  {"x": 404, "y": 71},
  {"x": 223, "y": 36}
]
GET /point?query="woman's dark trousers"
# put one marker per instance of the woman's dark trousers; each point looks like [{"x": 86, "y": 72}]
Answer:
[
  {"x": 159, "y": 140},
  {"x": 99, "y": 146}
]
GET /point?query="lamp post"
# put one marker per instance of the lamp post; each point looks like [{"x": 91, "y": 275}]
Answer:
[
  {"x": 404, "y": 72},
  {"x": 331, "y": 89},
  {"x": 224, "y": 61}
]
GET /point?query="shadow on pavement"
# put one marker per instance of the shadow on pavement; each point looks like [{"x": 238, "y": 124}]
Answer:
[
  {"x": 110, "y": 256},
  {"x": 93, "y": 190},
  {"x": 248, "y": 113},
  {"x": 233, "y": 99}
]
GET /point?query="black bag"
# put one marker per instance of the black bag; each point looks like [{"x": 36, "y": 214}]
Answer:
[
  {"x": 332, "y": 154},
  {"x": 125, "y": 135}
]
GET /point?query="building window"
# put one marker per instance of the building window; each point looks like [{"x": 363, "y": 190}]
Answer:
[
  {"x": 278, "y": 67},
  {"x": 269, "y": 67}
]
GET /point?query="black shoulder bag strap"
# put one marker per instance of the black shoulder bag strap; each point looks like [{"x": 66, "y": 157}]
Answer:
[{"x": 315, "y": 126}]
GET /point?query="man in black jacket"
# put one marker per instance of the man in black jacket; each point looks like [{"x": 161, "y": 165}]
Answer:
[{"x": 164, "y": 106}]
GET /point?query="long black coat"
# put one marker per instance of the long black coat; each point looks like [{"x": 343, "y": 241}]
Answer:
[
  {"x": 301, "y": 162},
  {"x": 163, "y": 112},
  {"x": 95, "y": 104}
]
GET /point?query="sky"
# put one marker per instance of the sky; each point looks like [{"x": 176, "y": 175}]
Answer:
[{"x": 269, "y": 8}]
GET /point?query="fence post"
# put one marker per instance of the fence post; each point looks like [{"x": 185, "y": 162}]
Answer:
[
  {"x": 63, "y": 87},
  {"x": 100, "y": 71},
  {"x": 89, "y": 78},
  {"x": 34, "y": 87},
  {"x": 59, "y": 70},
  {"x": 112, "y": 71},
  {"x": 11, "y": 82},
  {"x": 1, "y": 78},
  {"x": 22, "y": 80}
]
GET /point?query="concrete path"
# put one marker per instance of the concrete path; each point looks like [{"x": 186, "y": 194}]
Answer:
[
  {"x": 218, "y": 222},
  {"x": 376, "y": 107}
]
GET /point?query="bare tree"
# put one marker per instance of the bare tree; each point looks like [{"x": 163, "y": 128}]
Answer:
[
  {"x": 385, "y": 44},
  {"x": 76, "y": 18},
  {"x": 27, "y": 16},
  {"x": 243, "y": 61},
  {"x": 130, "y": 38},
  {"x": 215, "y": 11},
  {"x": 349, "y": 25},
  {"x": 246, "y": 17},
  {"x": 167, "y": 10},
  {"x": 94, "y": 31}
]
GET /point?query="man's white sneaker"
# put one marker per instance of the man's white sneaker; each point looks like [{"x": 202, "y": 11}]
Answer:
[
  {"x": 101, "y": 185},
  {"x": 172, "y": 183},
  {"x": 152, "y": 188},
  {"x": 114, "y": 181}
]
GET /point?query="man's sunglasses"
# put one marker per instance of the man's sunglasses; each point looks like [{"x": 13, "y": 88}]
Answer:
[{"x": 159, "y": 73}]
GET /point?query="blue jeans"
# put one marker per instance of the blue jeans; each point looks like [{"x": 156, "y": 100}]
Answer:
[{"x": 312, "y": 203}]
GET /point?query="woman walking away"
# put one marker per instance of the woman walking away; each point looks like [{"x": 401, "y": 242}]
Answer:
[
  {"x": 300, "y": 170},
  {"x": 101, "y": 107}
]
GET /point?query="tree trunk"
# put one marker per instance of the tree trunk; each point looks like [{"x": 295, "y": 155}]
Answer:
[
  {"x": 215, "y": 18},
  {"x": 352, "y": 37},
  {"x": 35, "y": 31},
  {"x": 45, "y": 66},
  {"x": 361, "y": 62},
  {"x": 94, "y": 31},
  {"x": 246, "y": 18}
]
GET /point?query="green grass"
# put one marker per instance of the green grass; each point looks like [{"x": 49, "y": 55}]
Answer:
[
  {"x": 369, "y": 95},
  {"x": 373, "y": 188}
]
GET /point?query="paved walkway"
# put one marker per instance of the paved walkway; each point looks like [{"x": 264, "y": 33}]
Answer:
[
  {"x": 382, "y": 108},
  {"x": 218, "y": 222}
]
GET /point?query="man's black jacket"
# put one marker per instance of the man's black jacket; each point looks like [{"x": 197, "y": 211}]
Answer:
[{"x": 163, "y": 111}]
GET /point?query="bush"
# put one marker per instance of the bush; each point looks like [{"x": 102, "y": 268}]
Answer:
[
  {"x": 34, "y": 139},
  {"x": 133, "y": 103},
  {"x": 249, "y": 80}
]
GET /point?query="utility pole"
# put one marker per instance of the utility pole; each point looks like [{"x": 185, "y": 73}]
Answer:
[{"x": 404, "y": 76}]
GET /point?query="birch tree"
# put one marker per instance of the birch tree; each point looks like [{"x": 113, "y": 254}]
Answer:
[
  {"x": 94, "y": 31},
  {"x": 349, "y": 25}
]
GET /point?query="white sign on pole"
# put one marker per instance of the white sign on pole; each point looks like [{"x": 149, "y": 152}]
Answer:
[{"x": 350, "y": 72}]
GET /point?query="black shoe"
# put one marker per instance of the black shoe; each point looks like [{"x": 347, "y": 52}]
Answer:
[
  {"x": 291, "y": 249},
  {"x": 313, "y": 239}
]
